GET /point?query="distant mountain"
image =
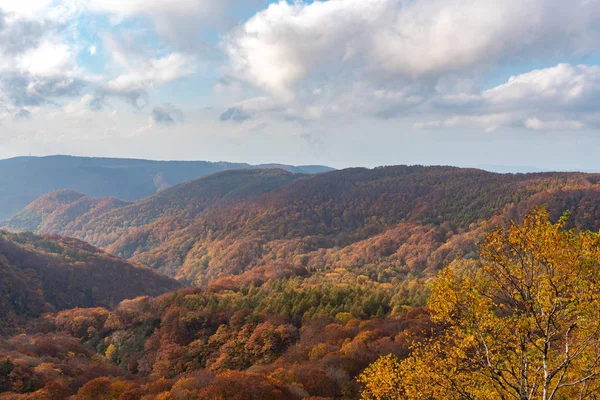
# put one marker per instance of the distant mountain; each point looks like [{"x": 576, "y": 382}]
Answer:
[
  {"x": 59, "y": 208},
  {"x": 303, "y": 280},
  {"x": 24, "y": 179},
  {"x": 254, "y": 225},
  {"x": 48, "y": 273},
  {"x": 105, "y": 221}
]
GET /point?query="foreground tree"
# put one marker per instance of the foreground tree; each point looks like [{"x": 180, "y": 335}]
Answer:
[
  {"x": 382, "y": 379},
  {"x": 522, "y": 324}
]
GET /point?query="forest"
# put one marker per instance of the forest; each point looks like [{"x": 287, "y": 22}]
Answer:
[{"x": 391, "y": 283}]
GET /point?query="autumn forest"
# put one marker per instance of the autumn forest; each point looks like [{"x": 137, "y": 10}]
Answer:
[{"x": 399, "y": 282}]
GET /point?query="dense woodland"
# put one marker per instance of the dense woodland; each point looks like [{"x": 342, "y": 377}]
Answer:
[
  {"x": 294, "y": 286},
  {"x": 41, "y": 274},
  {"x": 254, "y": 225}
]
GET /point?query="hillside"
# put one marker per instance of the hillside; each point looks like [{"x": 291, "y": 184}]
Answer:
[
  {"x": 48, "y": 273},
  {"x": 24, "y": 179},
  {"x": 60, "y": 208},
  {"x": 303, "y": 281},
  {"x": 106, "y": 221},
  {"x": 249, "y": 226}
]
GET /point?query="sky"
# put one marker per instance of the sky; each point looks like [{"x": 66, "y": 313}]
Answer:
[{"x": 337, "y": 82}]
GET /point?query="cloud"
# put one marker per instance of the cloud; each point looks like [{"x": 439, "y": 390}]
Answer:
[
  {"x": 166, "y": 114},
  {"x": 29, "y": 90},
  {"x": 25, "y": 8},
  {"x": 306, "y": 61},
  {"x": 137, "y": 97},
  {"x": 17, "y": 36},
  {"x": 236, "y": 114},
  {"x": 37, "y": 66},
  {"x": 164, "y": 13},
  {"x": 488, "y": 122},
  {"x": 156, "y": 71},
  {"x": 180, "y": 22},
  {"x": 39, "y": 62},
  {"x": 535, "y": 123},
  {"x": 32, "y": 45},
  {"x": 144, "y": 67},
  {"x": 563, "y": 87},
  {"x": 384, "y": 57},
  {"x": 252, "y": 108},
  {"x": 563, "y": 97},
  {"x": 23, "y": 115},
  {"x": 493, "y": 122},
  {"x": 139, "y": 72},
  {"x": 286, "y": 43},
  {"x": 49, "y": 58}
]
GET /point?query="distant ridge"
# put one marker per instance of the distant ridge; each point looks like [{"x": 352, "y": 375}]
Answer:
[
  {"x": 251, "y": 225},
  {"x": 69, "y": 213},
  {"x": 24, "y": 179}
]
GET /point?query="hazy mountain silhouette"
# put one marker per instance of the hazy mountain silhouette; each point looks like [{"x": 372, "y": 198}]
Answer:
[{"x": 24, "y": 179}]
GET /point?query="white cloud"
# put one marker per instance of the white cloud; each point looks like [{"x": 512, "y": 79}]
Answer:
[
  {"x": 388, "y": 58},
  {"x": 561, "y": 87},
  {"x": 38, "y": 65},
  {"x": 131, "y": 8},
  {"x": 493, "y": 122},
  {"x": 25, "y": 8},
  {"x": 535, "y": 123},
  {"x": 563, "y": 97},
  {"x": 58, "y": 11},
  {"x": 179, "y": 21},
  {"x": 50, "y": 58},
  {"x": 282, "y": 47},
  {"x": 156, "y": 71},
  {"x": 489, "y": 122},
  {"x": 305, "y": 61},
  {"x": 39, "y": 48},
  {"x": 136, "y": 71}
]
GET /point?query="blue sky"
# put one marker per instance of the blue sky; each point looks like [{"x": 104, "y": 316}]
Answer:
[{"x": 337, "y": 82}]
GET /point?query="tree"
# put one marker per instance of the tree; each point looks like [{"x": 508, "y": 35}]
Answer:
[
  {"x": 524, "y": 324},
  {"x": 382, "y": 379},
  {"x": 235, "y": 385}
]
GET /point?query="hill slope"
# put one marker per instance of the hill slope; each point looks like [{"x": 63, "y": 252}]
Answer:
[
  {"x": 327, "y": 273},
  {"x": 24, "y": 179},
  {"x": 60, "y": 208},
  {"x": 309, "y": 223},
  {"x": 104, "y": 221},
  {"x": 47, "y": 273},
  {"x": 241, "y": 226}
]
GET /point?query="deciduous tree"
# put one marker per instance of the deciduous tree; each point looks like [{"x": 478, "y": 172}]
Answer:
[{"x": 523, "y": 324}]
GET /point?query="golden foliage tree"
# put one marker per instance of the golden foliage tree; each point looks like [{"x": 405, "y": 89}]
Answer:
[
  {"x": 382, "y": 379},
  {"x": 524, "y": 324}
]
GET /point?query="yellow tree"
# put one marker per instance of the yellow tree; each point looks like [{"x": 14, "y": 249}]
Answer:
[
  {"x": 522, "y": 324},
  {"x": 382, "y": 379}
]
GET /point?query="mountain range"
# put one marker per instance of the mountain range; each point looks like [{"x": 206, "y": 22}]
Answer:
[
  {"x": 247, "y": 284},
  {"x": 24, "y": 179},
  {"x": 233, "y": 227}
]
